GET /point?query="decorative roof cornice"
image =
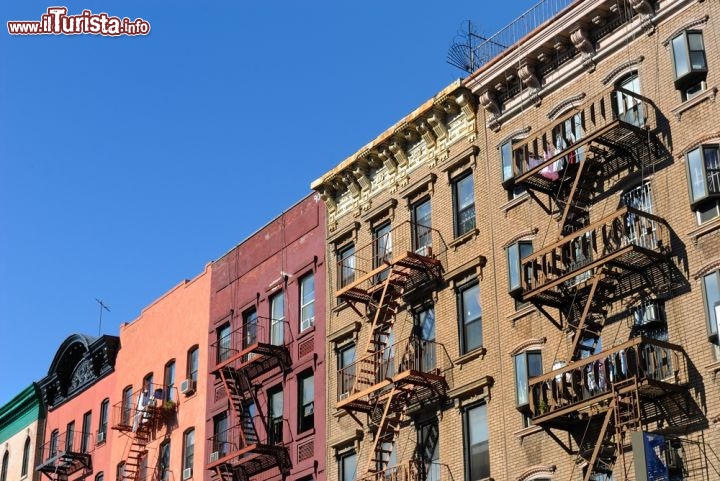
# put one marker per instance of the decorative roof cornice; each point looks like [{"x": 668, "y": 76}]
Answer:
[{"x": 428, "y": 123}]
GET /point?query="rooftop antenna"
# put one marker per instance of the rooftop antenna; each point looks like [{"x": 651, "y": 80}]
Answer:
[
  {"x": 102, "y": 306},
  {"x": 463, "y": 51}
]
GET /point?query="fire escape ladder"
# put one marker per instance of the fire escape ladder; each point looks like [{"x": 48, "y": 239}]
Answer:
[
  {"x": 388, "y": 426},
  {"x": 578, "y": 191},
  {"x": 627, "y": 415},
  {"x": 383, "y": 317},
  {"x": 601, "y": 459},
  {"x": 138, "y": 448},
  {"x": 228, "y": 375},
  {"x": 583, "y": 329}
]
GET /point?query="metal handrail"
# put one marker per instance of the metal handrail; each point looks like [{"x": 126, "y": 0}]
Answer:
[{"x": 261, "y": 331}]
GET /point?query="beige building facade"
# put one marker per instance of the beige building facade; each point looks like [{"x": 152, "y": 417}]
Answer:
[{"x": 525, "y": 273}]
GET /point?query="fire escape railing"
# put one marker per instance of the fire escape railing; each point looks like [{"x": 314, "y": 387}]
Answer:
[
  {"x": 152, "y": 405},
  {"x": 66, "y": 453},
  {"x": 249, "y": 436},
  {"x": 412, "y": 470},
  {"x": 251, "y": 341},
  {"x": 590, "y": 380},
  {"x": 408, "y": 244},
  {"x": 573, "y": 256},
  {"x": 564, "y": 141},
  {"x": 390, "y": 363}
]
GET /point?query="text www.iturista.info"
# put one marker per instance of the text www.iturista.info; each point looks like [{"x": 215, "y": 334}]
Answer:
[{"x": 57, "y": 22}]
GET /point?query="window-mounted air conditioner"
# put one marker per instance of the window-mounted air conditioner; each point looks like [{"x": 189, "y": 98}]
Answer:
[
  {"x": 187, "y": 387},
  {"x": 215, "y": 455},
  {"x": 187, "y": 473},
  {"x": 100, "y": 437}
]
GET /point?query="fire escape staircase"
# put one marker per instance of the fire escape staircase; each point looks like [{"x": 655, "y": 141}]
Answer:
[
  {"x": 138, "y": 447},
  {"x": 253, "y": 445}
]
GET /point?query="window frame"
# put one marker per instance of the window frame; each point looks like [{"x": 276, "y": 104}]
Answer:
[
  {"x": 86, "y": 432},
  {"x": 346, "y": 377},
  {"x": 306, "y": 421},
  {"x": 193, "y": 363},
  {"x": 126, "y": 405},
  {"x": 307, "y": 321},
  {"x": 346, "y": 263},
  {"x": 275, "y": 419},
  {"x": 699, "y": 167},
  {"x": 277, "y": 324},
  {"x": 223, "y": 337},
  {"x": 103, "y": 418},
  {"x": 169, "y": 379},
  {"x": 5, "y": 464},
  {"x": 467, "y": 432},
  {"x": 422, "y": 238},
  {"x": 70, "y": 437},
  {"x": 693, "y": 77},
  {"x": 516, "y": 249},
  {"x": 464, "y": 322},
  {"x": 26, "y": 457},
  {"x": 164, "y": 467},
  {"x": 221, "y": 424},
  {"x": 459, "y": 227},
  {"x": 188, "y": 452},
  {"x": 342, "y": 459},
  {"x": 711, "y": 311}
]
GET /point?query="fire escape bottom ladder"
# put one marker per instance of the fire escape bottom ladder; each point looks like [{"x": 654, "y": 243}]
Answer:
[
  {"x": 586, "y": 311},
  {"x": 627, "y": 416}
]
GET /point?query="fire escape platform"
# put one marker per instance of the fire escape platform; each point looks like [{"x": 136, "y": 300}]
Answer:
[
  {"x": 247, "y": 454},
  {"x": 625, "y": 242},
  {"x": 424, "y": 385},
  {"x": 66, "y": 463},
  {"x": 404, "y": 265},
  {"x": 583, "y": 389},
  {"x": 256, "y": 359}
]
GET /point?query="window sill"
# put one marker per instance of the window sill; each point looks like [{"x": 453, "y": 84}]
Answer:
[
  {"x": 515, "y": 202},
  {"x": 307, "y": 332},
  {"x": 713, "y": 368},
  {"x": 519, "y": 314},
  {"x": 470, "y": 356},
  {"x": 708, "y": 94},
  {"x": 464, "y": 238},
  {"x": 704, "y": 229},
  {"x": 305, "y": 434},
  {"x": 524, "y": 432}
]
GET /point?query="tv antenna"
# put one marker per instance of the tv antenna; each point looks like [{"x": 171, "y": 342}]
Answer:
[
  {"x": 105, "y": 307},
  {"x": 463, "y": 52}
]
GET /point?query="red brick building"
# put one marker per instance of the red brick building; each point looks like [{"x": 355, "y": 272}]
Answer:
[{"x": 267, "y": 365}]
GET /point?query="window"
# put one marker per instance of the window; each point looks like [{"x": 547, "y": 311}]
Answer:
[
  {"x": 347, "y": 464},
  {"x": 711, "y": 296},
  {"x": 54, "y": 437},
  {"x": 275, "y": 415},
  {"x": 382, "y": 249},
  {"x": 307, "y": 301},
  {"x": 26, "y": 458},
  {"x": 515, "y": 254},
  {"x": 223, "y": 343},
  {"x": 188, "y": 449},
  {"x": 102, "y": 427},
  {"x": 127, "y": 406},
  {"x": 422, "y": 227},
  {"x": 169, "y": 380},
  {"x": 148, "y": 384},
  {"x": 120, "y": 472},
  {"x": 70, "y": 437},
  {"x": 346, "y": 265},
  {"x": 250, "y": 328},
  {"x": 100, "y": 476},
  {"x": 86, "y": 432},
  {"x": 277, "y": 318},
  {"x": 220, "y": 432},
  {"x": 193, "y": 360},
  {"x": 477, "y": 456},
  {"x": 704, "y": 174},
  {"x": 688, "y": 53},
  {"x": 163, "y": 465},
  {"x": 629, "y": 107},
  {"x": 4, "y": 469},
  {"x": 528, "y": 364},
  {"x": 428, "y": 448},
  {"x": 464, "y": 204},
  {"x": 306, "y": 405},
  {"x": 506, "y": 160},
  {"x": 425, "y": 331},
  {"x": 470, "y": 318},
  {"x": 346, "y": 368}
]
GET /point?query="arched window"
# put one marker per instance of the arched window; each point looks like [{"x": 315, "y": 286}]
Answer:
[
  {"x": 4, "y": 470},
  {"x": 26, "y": 457},
  {"x": 127, "y": 406},
  {"x": 629, "y": 104},
  {"x": 100, "y": 476}
]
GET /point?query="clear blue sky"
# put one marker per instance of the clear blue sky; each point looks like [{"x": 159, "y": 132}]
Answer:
[{"x": 128, "y": 163}]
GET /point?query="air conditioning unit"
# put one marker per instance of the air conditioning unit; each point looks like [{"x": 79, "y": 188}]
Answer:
[
  {"x": 100, "y": 437},
  {"x": 344, "y": 395},
  {"x": 307, "y": 323},
  {"x": 187, "y": 387},
  {"x": 187, "y": 473},
  {"x": 647, "y": 313},
  {"x": 215, "y": 455},
  {"x": 425, "y": 251}
]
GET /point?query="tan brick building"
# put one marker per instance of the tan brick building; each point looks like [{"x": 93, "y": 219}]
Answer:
[{"x": 527, "y": 266}]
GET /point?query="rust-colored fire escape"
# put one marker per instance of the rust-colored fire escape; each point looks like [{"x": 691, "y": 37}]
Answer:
[
  {"x": 388, "y": 376},
  {"x": 575, "y": 161},
  {"x": 65, "y": 454},
  {"x": 141, "y": 417},
  {"x": 254, "y": 443}
]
